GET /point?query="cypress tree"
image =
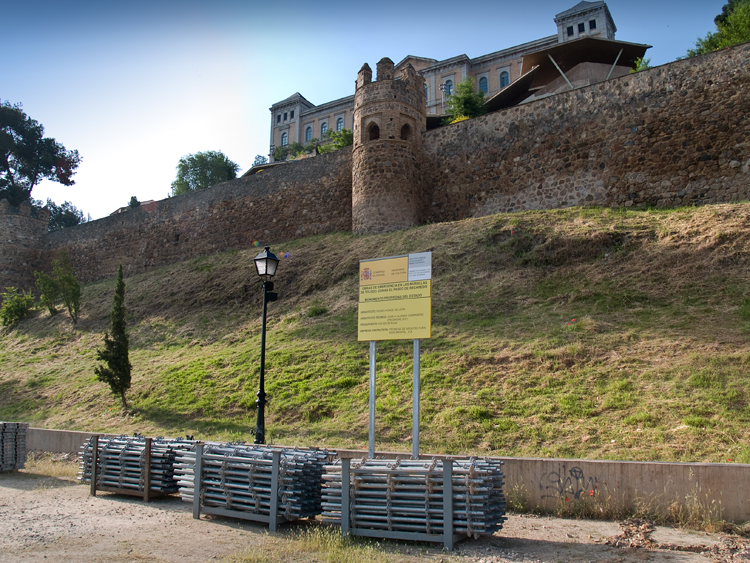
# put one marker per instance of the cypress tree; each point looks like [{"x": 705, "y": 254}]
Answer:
[{"x": 116, "y": 368}]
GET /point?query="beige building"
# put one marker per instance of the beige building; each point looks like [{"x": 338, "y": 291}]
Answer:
[{"x": 295, "y": 119}]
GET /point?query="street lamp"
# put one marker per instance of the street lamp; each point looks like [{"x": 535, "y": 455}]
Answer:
[
  {"x": 265, "y": 264},
  {"x": 443, "y": 90}
]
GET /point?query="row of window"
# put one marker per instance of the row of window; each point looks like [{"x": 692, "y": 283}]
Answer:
[
  {"x": 447, "y": 86},
  {"x": 309, "y": 131},
  {"x": 278, "y": 117},
  {"x": 582, "y": 28},
  {"x": 504, "y": 81},
  {"x": 373, "y": 130}
]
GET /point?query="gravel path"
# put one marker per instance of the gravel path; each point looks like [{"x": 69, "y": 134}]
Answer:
[{"x": 48, "y": 519}]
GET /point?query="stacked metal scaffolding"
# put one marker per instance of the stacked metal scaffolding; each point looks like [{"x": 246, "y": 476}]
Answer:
[
  {"x": 13, "y": 445},
  {"x": 121, "y": 463},
  {"x": 393, "y": 499},
  {"x": 238, "y": 480}
]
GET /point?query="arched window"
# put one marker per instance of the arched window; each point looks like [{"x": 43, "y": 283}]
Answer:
[
  {"x": 504, "y": 79},
  {"x": 448, "y": 87},
  {"x": 374, "y": 132},
  {"x": 323, "y": 128},
  {"x": 339, "y": 124},
  {"x": 405, "y": 132},
  {"x": 284, "y": 139},
  {"x": 483, "y": 85},
  {"x": 308, "y": 133}
]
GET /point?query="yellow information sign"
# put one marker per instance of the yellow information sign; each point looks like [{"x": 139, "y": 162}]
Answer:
[{"x": 395, "y": 298}]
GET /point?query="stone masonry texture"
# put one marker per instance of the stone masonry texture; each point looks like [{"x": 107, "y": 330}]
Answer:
[
  {"x": 283, "y": 203},
  {"x": 674, "y": 135},
  {"x": 387, "y": 186},
  {"x": 20, "y": 248}
]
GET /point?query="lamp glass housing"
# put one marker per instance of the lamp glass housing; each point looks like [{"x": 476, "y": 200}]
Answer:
[{"x": 266, "y": 263}]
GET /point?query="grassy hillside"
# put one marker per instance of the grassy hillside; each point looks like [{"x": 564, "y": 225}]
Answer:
[{"x": 586, "y": 333}]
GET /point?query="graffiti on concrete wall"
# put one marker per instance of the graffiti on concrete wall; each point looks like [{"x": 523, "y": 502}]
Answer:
[{"x": 569, "y": 484}]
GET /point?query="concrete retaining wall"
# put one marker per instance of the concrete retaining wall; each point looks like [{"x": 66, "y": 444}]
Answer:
[
  {"x": 723, "y": 488},
  {"x": 57, "y": 441},
  {"x": 547, "y": 483}
]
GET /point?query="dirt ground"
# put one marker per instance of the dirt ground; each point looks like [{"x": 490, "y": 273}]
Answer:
[{"x": 45, "y": 518}]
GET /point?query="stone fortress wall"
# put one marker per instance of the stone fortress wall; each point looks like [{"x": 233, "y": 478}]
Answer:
[
  {"x": 673, "y": 135},
  {"x": 20, "y": 245},
  {"x": 302, "y": 199},
  {"x": 678, "y": 134}
]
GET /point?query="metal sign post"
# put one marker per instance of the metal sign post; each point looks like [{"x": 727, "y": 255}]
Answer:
[
  {"x": 415, "y": 404},
  {"x": 372, "y": 399},
  {"x": 395, "y": 302}
]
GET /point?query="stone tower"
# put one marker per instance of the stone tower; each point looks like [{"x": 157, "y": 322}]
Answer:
[
  {"x": 389, "y": 123},
  {"x": 21, "y": 244}
]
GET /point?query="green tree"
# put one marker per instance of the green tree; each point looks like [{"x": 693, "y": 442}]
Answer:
[
  {"x": 292, "y": 149},
  {"x": 15, "y": 306},
  {"x": 466, "y": 101},
  {"x": 70, "y": 289},
  {"x": 202, "y": 170},
  {"x": 260, "y": 160},
  {"x": 63, "y": 216},
  {"x": 133, "y": 203},
  {"x": 49, "y": 291},
  {"x": 115, "y": 371},
  {"x": 27, "y": 156},
  {"x": 727, "y": 9},
  {"x": 732, "y": 28},
  {"x": 641, "y": 64},
  {"x": 337, "y": 140}
]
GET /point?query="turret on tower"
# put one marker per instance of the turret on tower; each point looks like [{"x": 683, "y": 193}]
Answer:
[
  {"x": 364, "y": 76},
  {"x": 389, "y": 122}
]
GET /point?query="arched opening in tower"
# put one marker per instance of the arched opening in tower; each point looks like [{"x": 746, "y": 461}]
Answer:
[
  {"x": 374, "y": 132},
  {"x": 405, "y": 132}
]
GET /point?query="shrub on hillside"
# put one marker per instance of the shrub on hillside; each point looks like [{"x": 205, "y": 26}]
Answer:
[
  {"x": 49, "y": 291},
  {"x": 67, "y": 282},
  {"x": 16, "y": 306}
]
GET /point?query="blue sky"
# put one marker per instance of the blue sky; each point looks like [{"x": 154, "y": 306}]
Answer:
[{"x": 136, "y": 85}]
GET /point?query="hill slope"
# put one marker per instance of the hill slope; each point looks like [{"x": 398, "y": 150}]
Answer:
[{"x": 587, "y": 333}]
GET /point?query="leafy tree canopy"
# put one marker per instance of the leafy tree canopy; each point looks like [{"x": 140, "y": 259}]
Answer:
[
  {"x": 732, "y": 28},
  {"x": 68, "y": 286},
  {"x": 727, "y": 9},
  {"x": 27, "y": 156},
  {"x": 260, "y": 160},
  {"x": 641, "y": 64},
  {"x": 466, "y": 101},
  {"x": 202, "y": 170},
  {"x": 329, "y": 142},
  {"x": 65, "y": 215},
  {"x": 337, "y": 140}
]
